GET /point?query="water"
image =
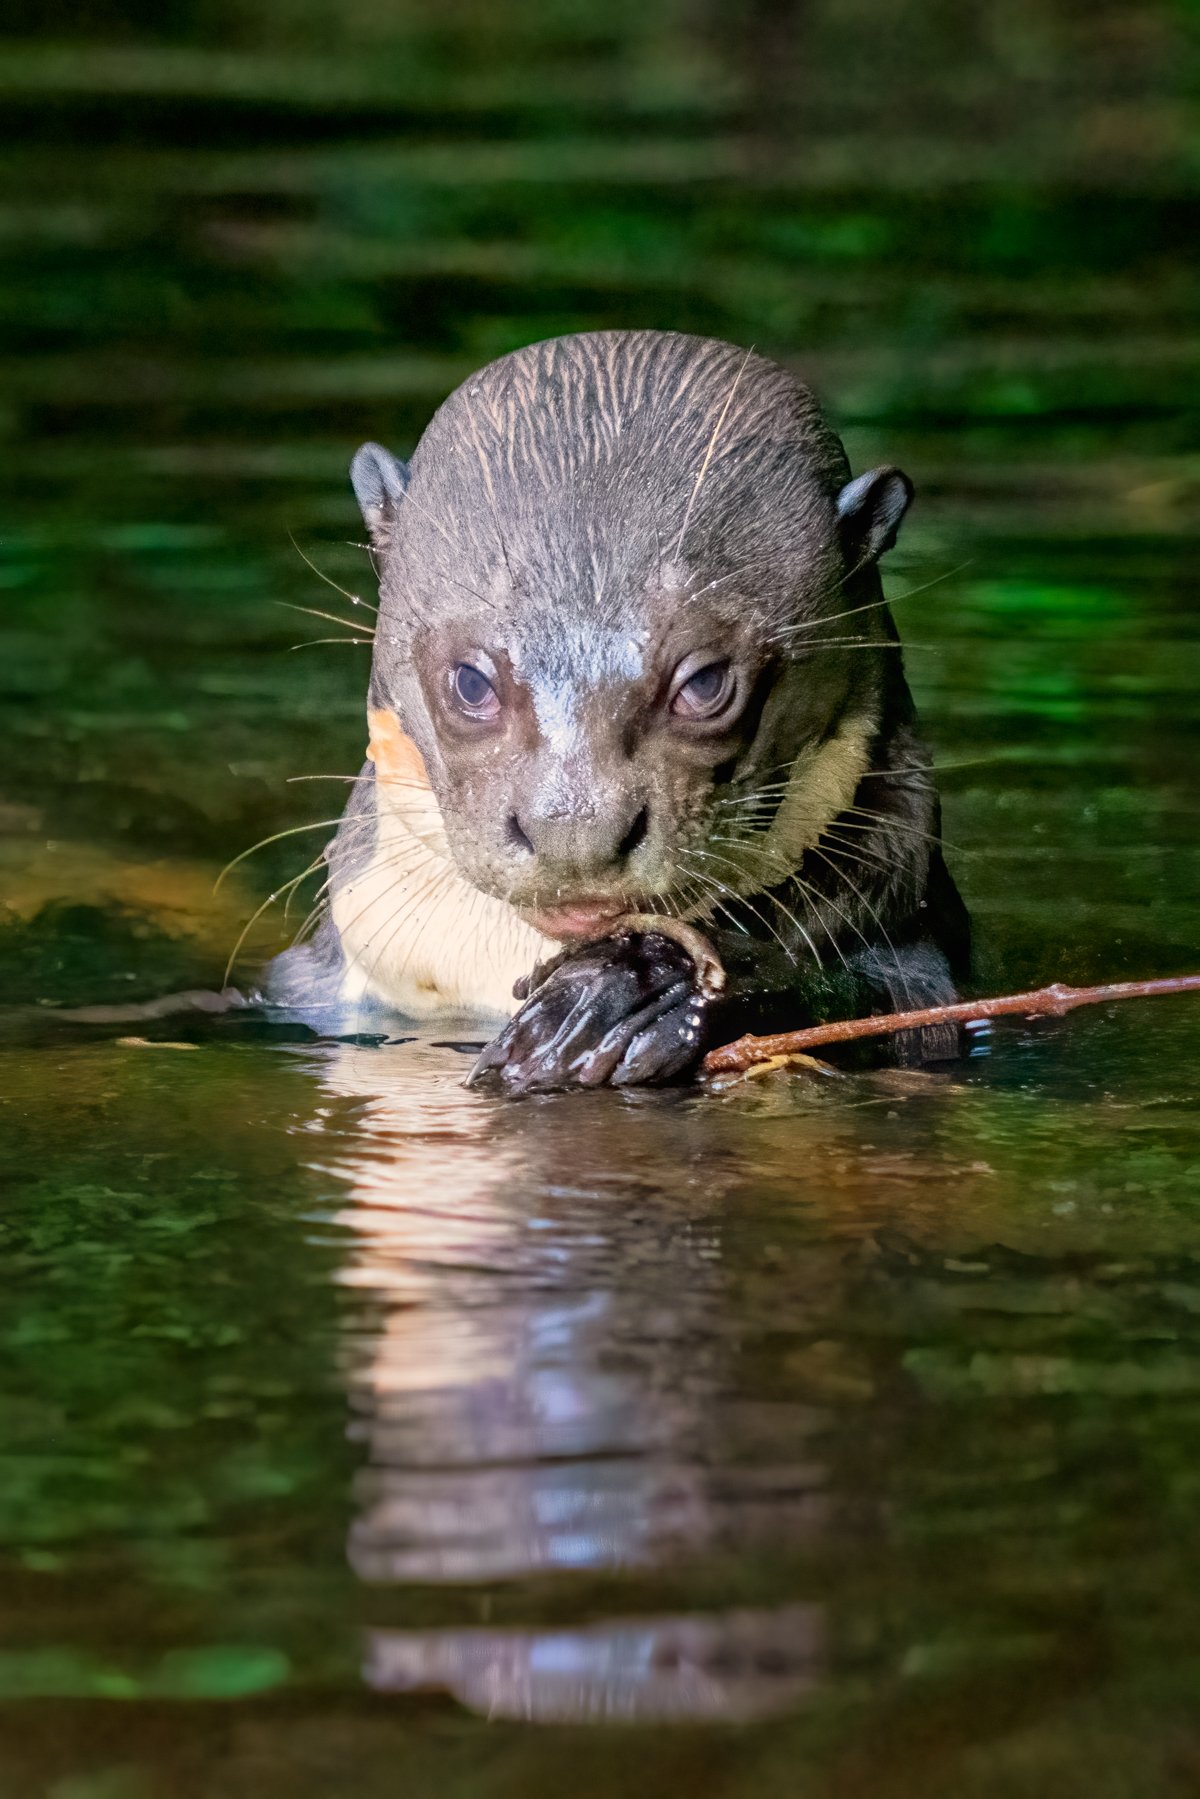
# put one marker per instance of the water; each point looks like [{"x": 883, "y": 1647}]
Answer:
[{"x": 358, "y": 1434}]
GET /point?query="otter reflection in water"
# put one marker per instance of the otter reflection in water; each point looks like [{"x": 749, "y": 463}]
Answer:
[{"x": 541, "y": 1376}]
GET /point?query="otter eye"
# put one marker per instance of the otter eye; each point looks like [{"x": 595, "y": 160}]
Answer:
[
  {"x": 473, "y": 691},
  {"x": 706, "y": 693}
]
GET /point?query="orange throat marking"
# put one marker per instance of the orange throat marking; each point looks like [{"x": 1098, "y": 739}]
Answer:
[
  {"x": 398, "y": 761},
  {"x": 415, "y": 934}
]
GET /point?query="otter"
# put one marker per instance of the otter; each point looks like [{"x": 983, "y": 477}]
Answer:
[{"x": 643, "y": 769}]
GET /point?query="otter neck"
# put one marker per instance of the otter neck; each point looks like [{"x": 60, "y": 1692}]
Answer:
[{"x": 415, "y": 935}]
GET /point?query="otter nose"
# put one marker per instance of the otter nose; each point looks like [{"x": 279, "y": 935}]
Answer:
[{"x": 577, "y": 845}]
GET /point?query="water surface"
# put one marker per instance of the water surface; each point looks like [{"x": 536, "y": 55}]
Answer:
[{"x": 359, "y": 1434}]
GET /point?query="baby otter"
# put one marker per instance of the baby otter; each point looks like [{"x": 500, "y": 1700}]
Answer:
[{"x": 641, "y": 746}]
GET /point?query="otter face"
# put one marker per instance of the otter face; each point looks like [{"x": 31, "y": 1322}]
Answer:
[
  {"x": 604, "y": 592},
  {"x": 576, "y": 779}
]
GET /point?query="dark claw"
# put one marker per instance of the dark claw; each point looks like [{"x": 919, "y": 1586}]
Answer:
[
  {"x": 665, "y": 1049},
  {"x": 625, "y": 1011},
  {"x": 604, "y": 1062}
]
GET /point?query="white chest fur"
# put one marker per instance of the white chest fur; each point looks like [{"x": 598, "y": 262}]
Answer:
[
  {"x": 422, "y": 941},
  {"x": 415, "y": 935}
]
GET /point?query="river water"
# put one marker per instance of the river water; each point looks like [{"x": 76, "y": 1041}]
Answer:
[{"x": 360, "y": 1435}]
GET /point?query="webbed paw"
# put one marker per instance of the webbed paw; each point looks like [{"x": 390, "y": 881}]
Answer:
[{"x": 625, "y": 1011}]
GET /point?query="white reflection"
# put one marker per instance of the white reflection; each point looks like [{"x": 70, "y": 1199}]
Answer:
[
  {"x": 734, "y": 1666},
  {"x": 538, "y": 1371}
]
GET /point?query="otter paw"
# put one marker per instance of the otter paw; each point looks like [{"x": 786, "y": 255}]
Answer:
[{"x": 623, "y": 1012}]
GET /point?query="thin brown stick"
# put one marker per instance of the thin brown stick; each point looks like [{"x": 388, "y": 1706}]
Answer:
[{"x": 746, "y": 1052}]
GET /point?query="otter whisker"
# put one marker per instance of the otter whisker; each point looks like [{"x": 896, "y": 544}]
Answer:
[
  {"x": 756, "y": 811},
  {"x": 763, "y": 853},
  {"x": 772, "y": 900},
  {"x": 868, "y": 774},
  {"x": 863, "y": 819},
  {"x": 853, "y": 852},
  {"x": 718, "y": 895},
  {"x": 772, "y": 860},
  {"x": 903, "y": 768},
  {"x": 319, "y": 824},
  {"x": 745, "y": 900},
  {"x": 894, "y": 826},
  {"x": 310, "y": 643},
  {"x": 690, "y": 901},
  {"x": 441, "y": 880},
  {"x": 408, "y": 500},
  {"x": 318, "y": 909},
  {"x": 408, "y": 859},
  {"x": 734, "y": 574},
  {"x": 328, "y": 580},
  {"x": 314, "y": 915},
  {"x": 437, "y": 524},
  {"x": 280, "y": 893},
  {"x": 767, "y": 790},
  {"x": 292, "y": 779},
  {"x": 870, "y": 643},
  {"x": 407, "y": 897},
  {"x": 743, "y": 794},
  {"x": 367, "y": 631},
  {"x": 405, "y": 783},
  {"x": 870, "y": 909},
  {"x": 432, "y": 837},
  {"x": 813, "y": 624},
  {"x": 314, "y": 866},
  {"x": 660, "y": 906},
  {"x": 708, "y": 455},
  {"x": 812, "y": 894}
]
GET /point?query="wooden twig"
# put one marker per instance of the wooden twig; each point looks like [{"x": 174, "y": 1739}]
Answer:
[{"x": 735, "y": 1058}]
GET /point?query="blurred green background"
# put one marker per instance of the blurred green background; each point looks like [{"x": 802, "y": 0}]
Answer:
[
  {"x": 240, "y": 239},
  {"x": 236, "y": 240}
]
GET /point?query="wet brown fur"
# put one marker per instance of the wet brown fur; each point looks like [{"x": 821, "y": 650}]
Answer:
[{"x": 583, "y": 508}]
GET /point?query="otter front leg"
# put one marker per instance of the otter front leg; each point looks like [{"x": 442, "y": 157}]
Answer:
[{"x": 625, "y": 1011}]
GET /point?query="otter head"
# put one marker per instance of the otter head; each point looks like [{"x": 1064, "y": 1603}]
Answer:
[{"x": 630, "y": 619}]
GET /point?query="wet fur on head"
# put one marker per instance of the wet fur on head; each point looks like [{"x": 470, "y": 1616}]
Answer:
[
  {"x": 580, "y": 513},
  {"x": 564, "y": 469}
]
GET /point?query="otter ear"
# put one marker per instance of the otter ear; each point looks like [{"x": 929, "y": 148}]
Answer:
[
  {"x": 869, "y": 513},
  {"x": 379, "y": 481}
]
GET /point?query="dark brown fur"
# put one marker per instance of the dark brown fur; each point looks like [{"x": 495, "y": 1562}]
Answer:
[{"x": 578, "y": 518}]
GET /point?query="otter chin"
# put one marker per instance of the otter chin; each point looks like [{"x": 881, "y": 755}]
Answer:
[{"x": 632, "y": 642}]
